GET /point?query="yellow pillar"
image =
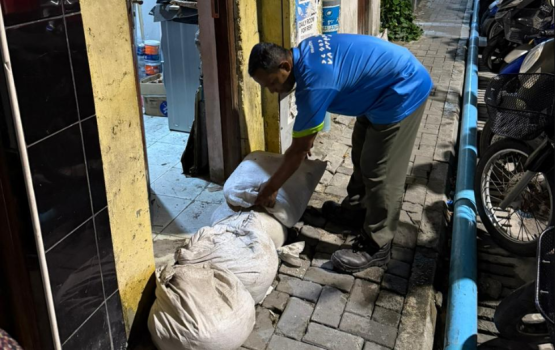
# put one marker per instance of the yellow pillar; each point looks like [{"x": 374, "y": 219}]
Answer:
[
  {"x": 250, "y": 103},
  {"x": 111, "y": 60},
  {"x": 275, "y": 27}
]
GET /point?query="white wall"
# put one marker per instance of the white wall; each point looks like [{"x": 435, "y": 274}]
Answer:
[
  {"x": 348, "y": 21},
  {"x": 152, "y": 30}
]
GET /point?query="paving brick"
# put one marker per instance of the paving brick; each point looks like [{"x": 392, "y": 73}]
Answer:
[
  {"x": 373, "y": 346},
  {"x": 373, "y": 274},
  {"x": 419, "y": 310},
  {"x": 329, "y": 242},
  {"x": 344, "y": 170},
  {"x": 322, "y": 260},
  {"x": 486, "y": 312},
  {"x": 416, "y": 193},
  {"x": 311, "y": 235},
  {"x": 295, "y": 319},
  {"x": 390, "y": 301},
  {"x": 433, "y": 227},
  {"x": 407, "y": 233},
  {"x": 402, "y": 254},
  {"x": 326, "y": 178},
  {"x": 336, "y": 190},
  {"x": 333, "y": 163},
  {"x": 299, "y": 288},
  {"x": 394, "y": 283},
  {"x": 387, "y": 317},
  {"x": 294, "y": 271},
  {"x": 263, "y": 330},
  {"x": 332, "y": 339},
  {"x": 329, "y": 278},
  {"x": 369, "y": 330},
  {"x": 399, "y": 268},
  {"x": 282, "y": 343},
  {"x": 340, "y": 180},
  {"x": 487, "y": 326},
  {"x": 362, "y": 299},
  {"x": 330, "y": 307},
  {"x": 276, "y": 301}
]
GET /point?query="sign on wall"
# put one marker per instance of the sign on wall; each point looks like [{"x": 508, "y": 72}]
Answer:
[{"x": 307, "y": 19}]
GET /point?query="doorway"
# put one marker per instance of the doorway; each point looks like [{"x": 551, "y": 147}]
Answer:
[{"x": 173, "y": 93}]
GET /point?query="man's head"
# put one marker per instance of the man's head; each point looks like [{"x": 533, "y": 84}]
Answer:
[{"x": 271, "y": 66}]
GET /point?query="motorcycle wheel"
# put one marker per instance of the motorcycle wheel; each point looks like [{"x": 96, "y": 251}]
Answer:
[
  {"x": 518, "y": 227},
  {"x": 494, "y": 53},
  {"x": 517, "y": 318}
]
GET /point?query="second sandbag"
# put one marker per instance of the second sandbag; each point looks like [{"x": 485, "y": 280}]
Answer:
[{"x": 241, "y": 247}]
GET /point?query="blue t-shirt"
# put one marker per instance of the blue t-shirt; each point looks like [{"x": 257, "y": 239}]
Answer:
[{"x": 355, "y": 75}]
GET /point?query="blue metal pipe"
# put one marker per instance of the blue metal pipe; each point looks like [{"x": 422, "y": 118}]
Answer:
[{"x": 462, "y": 308}]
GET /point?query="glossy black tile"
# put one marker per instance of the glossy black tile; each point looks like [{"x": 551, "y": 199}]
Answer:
[
  {"x": 80, "y": 61},
  {"x": 115, "y": 311},
  {"x": 75, "y": 279},
  {"x": 23, "y": 11},
  {"x": 43, "y": 80},
  {"x": 94, "y": 335},
  {"x": 60, "y": 183},
  {"x": 106, "y": 251},
  {"x": 94, "y": 163},
  {"x": 71, "y": 6}
]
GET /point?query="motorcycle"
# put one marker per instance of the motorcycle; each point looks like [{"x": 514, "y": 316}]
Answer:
[
  {"x": 515, "y": 20},
  {"x": 526, "y": 316},
  {"x": 540, "y": 59},
  {"x": 515, "y": 183}
]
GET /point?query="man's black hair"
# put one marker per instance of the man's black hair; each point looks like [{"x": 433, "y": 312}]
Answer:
[{"x": 266, "y": 56}]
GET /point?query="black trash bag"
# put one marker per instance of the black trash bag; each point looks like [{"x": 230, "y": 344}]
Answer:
[{"x": 195, "y": 157}]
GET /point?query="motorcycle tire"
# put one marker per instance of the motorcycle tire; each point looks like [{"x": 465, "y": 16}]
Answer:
[
  {"x": 486, "y": 199},
  {"x": 483, "y": 18},
  {"x": 494, "y": 53},
  {"x": 509, "y": 317}
]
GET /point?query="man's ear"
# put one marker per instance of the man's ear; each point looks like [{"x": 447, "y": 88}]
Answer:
[{"x": 286, "y": 66}]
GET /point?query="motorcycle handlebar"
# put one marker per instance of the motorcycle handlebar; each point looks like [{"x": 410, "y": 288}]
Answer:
[{"x": 549, "y": 33}]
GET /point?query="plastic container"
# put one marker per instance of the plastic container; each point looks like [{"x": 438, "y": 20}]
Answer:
[
  {"x": 141, "y": 50},
  {"x": 141, "y": 66},
  {"x": 153, "y": 58},
  {"x": 152, "y": 47},
  {"x": 152, "y": 68}
]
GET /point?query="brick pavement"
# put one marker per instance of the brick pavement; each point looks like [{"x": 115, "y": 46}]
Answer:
[{"x": 313, "y": 307}]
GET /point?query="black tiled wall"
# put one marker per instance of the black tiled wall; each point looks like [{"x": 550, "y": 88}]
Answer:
[{"x": 48, "y": 52}]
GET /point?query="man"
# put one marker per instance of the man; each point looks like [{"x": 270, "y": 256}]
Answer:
[{"x": 382, "y": 84}]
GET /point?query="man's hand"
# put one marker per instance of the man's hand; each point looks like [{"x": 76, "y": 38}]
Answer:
[
  {"x": 293, "y": 157},
  {"x": 266, "y": 196}
]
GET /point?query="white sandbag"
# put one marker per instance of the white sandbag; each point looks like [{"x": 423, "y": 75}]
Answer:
[
  {"x": 225, "y": 215},
  {"x": 241, "y": 247},
  {"x": 200, "y": 307},
  {"x": 241, "y": 189}
]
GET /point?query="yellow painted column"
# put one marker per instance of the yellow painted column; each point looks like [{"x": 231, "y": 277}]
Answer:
[
  {"x": 272, "y": 14},
  {"x": 277, "y": 21},
  {"x": 250, "y": 102},
  {"x": 111, "y": 60}
]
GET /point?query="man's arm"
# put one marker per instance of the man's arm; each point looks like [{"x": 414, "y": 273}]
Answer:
[{"x": 295, "y": 154}]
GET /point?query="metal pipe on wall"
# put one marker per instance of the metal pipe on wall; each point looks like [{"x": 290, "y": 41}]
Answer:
[{"x": 462, "y": 309}]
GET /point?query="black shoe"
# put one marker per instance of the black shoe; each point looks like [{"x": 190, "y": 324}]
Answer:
[
  {"x": 362, "y": 256},
  {"x": 337, "y": 214}
]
